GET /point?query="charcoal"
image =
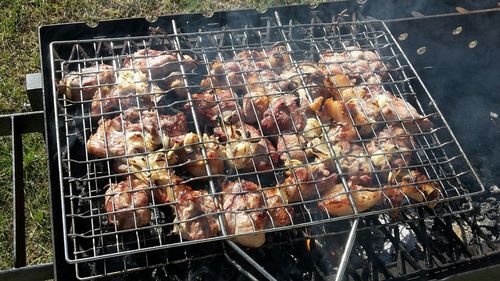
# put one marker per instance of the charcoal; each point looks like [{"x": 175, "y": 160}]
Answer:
[
  {"x": 485, "y": 231},
  {"x": 487, "y": 222},
  {"x": 494, "y": 189}
]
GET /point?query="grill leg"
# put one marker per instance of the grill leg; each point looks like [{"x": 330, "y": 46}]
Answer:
[{"x": 18, "y": 197}]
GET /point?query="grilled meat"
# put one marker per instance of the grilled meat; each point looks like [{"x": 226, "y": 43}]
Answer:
[
  {"x": 336, "y": 201},
  {"x": 239, "y": 201},
  {"x": 135, "y": 132},
  {"x": 307, "y": 182},
  {"x": 246, "y": 149},
  {"x": 283, "y": 116},
  {"x": 158, "y": 64},
  {"x": 83, "y": 84},
  {"x": 391, "y": 149},
  {"x": 354, "y": 62},
  {"x": 195, "y": 163},
  {"x": 126, "y": 204},
  {"x": 404, "y": 183},
  {"x": 275, "y": 200},
  {"x": 293, "y": 147},
  {"x": 133, "y": 89},
  {"x": 217, "y": 102},
  {"x": 194, "y": 216}
]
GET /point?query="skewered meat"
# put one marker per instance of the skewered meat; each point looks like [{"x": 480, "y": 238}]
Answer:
[
  {"x": 159, "y": 63},
  {"x": 133, "y": 89},
  {"x": 336, "y": 201},
  {"x": 275, "y": 200},
  {"x": 126, "y": 204},
  {"x": 135, "y": 132},
  {"x": 304, "y": 182},
  {"x": 217, "y": 102},
  {"x": 191, "y": 154},
  {"x": 83, "y": 84},
  {"x": 194, "y": 213},
  {"x": 245, "y": 147},
  {"x": 413, "y": 184},
  {"x": 393, "y": 144},
  {"x": 239, "y": 201},
  {"x": 354, "y": 62}
]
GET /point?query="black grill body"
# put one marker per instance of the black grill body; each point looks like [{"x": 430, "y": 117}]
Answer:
[{"x": 462, "y": 80}]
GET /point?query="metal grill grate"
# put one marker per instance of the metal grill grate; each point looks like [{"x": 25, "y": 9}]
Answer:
[{"x": 434, "y": 151}]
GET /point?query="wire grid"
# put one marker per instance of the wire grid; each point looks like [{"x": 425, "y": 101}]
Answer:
[{"x": 436, "y": 153}]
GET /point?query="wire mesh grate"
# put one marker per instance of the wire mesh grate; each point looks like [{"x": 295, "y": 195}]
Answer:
[{"x": 176, "y": 139}]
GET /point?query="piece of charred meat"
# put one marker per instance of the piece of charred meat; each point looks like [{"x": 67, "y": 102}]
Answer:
[
  {"x": 392, "y": 148},
  {"x": 83, "y": 84},
  {"x": 354, "y": 62},
  {"x": 217, "y": 103},
  {"x": 158, "y": 64},
  {"x": 241, "y": 202},
  {"x": 133, "y": 89},
  {"x": 404, "y": 183},
  {"x": 305, "y": 182},
  {"x": 135, "y": 132},
  {"x": 195, "y": 163},
  {"x": 127, "y": 204},
  {"x": 336, "y": 200},
  {"x": 194, "y": 213},
  {"x": 246, "y": 149}
]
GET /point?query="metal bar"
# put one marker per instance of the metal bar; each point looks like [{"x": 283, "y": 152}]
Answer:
[
  {"x": 347, "y": 251},
  {"x": 250, "y": 260},
  {"x": 19, "y": 227},
  {"x": 240, "y": 268},
  {"x": 33, "y": 272}
]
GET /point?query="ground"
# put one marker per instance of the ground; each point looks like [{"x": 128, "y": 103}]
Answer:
[{"x": 19, "y": 55}]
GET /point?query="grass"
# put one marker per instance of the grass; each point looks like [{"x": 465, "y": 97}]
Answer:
[{"x": 19, "y": 55}]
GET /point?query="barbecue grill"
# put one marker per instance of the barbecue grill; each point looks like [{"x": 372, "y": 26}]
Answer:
[{"x": 389, "y": 241}]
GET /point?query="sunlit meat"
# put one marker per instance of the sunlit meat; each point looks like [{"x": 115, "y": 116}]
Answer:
[
  {"x": 391, "y": 148},
  {"x": 83, "y": 84},
  {"x": 354, "y": 162},
  {"x": 354, "y": 62},
  {"x": 192, "y": 157},
  {"x": 404, "y": 183},
  {"x": 194, "y": 216},
  {"x": 263, "y": 87},
  {"x": 293, "y": 147},
  {"x": 158, "y": 64},
  {"x": 275, "y": 200},
  {"x": 133, "y": 89},
  {"x": 309, "y": 181},
  {"x": 336, "y": 200},
  {"x": 239, "y": 201},
  {"x": 284, "y": 115},
  {"x": 246, "y": 149},
  {"x": 135, "y": 132},
  {"x": 127, "y": 204},
  {"x": 217, "y": 105}
]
